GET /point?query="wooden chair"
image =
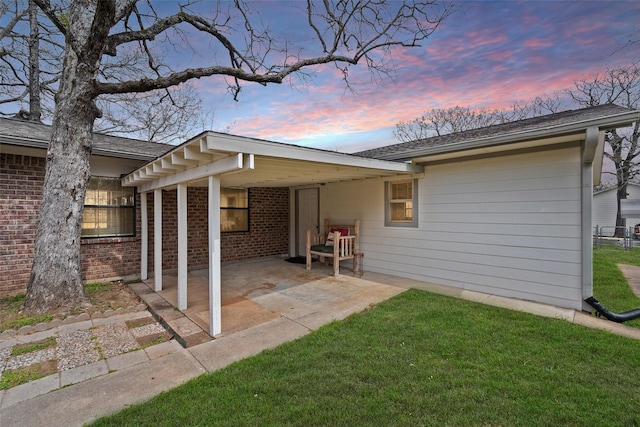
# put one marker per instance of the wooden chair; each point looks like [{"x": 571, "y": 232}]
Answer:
[{"x": 337, "y": 241}]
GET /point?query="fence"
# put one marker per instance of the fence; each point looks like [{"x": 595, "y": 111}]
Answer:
[{"x": 604, "y": 235}]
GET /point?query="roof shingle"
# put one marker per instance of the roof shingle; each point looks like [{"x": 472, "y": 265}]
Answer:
[{"x": 405, "y": 150}]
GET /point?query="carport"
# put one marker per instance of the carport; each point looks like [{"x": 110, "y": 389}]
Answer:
[{"x": 214, "y": 160}]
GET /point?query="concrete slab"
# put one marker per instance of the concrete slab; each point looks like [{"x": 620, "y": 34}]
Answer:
[
  {"x": 26, "y": 392},
  {"x": 162, "y": 349},
  {"x": 140, "y": 288},
  {"x": 531, "y": 307},
  {"x": 72, "y": 327},
  {"x": 89, "y": 400},
  {"x": 83, "y": 373},
  {"x": 125, "y": 360},
  {"x": 221, "y": 352},
  {"x": 37, "y": 336},
  {"x": 590, "y": 321},
  {"x": 632, "y": 274}
]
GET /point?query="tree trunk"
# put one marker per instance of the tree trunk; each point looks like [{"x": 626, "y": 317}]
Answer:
[
  {"x": 56, "y": 279},
  {"x": 56, "y": 275},
  {"x": 621, "y": 223},
  {"x": 35, "y": 107}
]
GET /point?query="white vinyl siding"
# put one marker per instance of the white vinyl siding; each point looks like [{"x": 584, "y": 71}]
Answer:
[
  {"x": 605, "y": 209},
  {"x": 507, "y": 226}
]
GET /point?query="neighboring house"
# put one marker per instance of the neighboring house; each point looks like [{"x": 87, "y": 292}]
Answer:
[
  {"x": 504, "y": 210},
  {"x": 605, "y": 208}
]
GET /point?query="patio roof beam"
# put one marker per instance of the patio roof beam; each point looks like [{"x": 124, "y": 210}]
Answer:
[
  {"x": 178, "y": 159},
  {"x": 168, "y": 164},
  {"x": 224, "y": 165},
  {"x": 193, "y": 153}
]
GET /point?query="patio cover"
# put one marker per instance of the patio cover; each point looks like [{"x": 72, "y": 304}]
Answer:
[{"x": 217, "y": 160}]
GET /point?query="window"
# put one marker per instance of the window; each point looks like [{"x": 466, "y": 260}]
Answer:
[
  {"x": 109, "y": 209},
  {"x": 234, "y": 209},
  {"x": 401, "y": 203}
]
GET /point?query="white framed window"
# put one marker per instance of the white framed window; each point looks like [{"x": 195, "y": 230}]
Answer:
[
  {"x": 401, "y": 203},
  {"x": 109, "y": 209},
  {"x": 234, "y": 209}
]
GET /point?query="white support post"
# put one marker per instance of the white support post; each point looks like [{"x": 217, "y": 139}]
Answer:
[
  {"x": 182, "y": 246},
  {"x": 215, "y": 281},
  {"x": 157, "y": 239},
  {"x": 144, "y": 238}
]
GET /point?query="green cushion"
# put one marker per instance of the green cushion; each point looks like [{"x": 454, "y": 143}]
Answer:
[{"x": 322, "y": 248}]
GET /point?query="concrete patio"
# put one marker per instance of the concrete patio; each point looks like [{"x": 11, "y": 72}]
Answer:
[{"x": 258, "y": 291}]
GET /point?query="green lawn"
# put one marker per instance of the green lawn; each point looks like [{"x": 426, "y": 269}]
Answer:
[
  {"x": 609, "y": 285},
  {"x": 419, "y": 359}
]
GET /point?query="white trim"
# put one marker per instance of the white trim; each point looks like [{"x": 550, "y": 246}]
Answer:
[
  {"x": 144, "y": 238},
  {"x": 215, "y": 278},
  {"x": 157, "y": 239},
  {"x": 182, "y": 246},
  {"x": 589, "y": 151}
]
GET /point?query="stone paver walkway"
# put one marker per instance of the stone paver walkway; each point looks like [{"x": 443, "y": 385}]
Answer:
[{"x": 78, "y": 351}]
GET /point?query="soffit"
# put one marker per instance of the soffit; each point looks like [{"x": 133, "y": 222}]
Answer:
[{"x": 246, "y": 162}]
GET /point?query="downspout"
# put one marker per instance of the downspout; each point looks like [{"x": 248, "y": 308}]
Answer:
[
  {"x": 592, "y": 144},
  {"x": 592, "y": 150},
  {"x": 614, "y": 317}
]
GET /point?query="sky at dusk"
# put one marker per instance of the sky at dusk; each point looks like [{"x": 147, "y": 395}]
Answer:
[{"x": 488, "y": 54}]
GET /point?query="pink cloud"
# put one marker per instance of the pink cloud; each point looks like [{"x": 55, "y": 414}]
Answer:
[{"x": 537, "y": 43}]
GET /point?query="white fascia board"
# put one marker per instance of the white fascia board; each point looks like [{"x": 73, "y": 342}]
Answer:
[
  {"x": 498, "y": 148},
  {"x": 224, "y": 165},
  {"x": 610, "y": 122},
  {"x": 231, "y": 143}
]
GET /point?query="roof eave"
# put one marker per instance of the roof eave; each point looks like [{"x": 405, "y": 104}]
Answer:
[
  {"x": 604, "y": 123},
  {"x": 42, "y": 144}
]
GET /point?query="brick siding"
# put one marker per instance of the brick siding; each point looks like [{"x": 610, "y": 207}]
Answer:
[
  {"x": 268, "y": 233},
  {"x": 21, "y": 181}
]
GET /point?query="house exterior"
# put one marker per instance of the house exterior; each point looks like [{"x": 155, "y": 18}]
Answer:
[
  {"x": 503, "y": 210},
  {"x": 605, "y": 208},
  {"x": 116, "y": 253}
]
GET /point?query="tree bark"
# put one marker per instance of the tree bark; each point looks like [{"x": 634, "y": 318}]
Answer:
[
  {"x": 56, "y": 282},
  {"x": 35, "y": 107}
]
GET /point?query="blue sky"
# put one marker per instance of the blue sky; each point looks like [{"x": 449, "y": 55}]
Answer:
[{"x": 488, "y": 54}]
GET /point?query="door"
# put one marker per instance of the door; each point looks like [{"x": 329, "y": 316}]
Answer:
[{"x": 307, "y": 216}]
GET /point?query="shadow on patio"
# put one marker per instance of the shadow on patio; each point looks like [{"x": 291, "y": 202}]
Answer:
[{"x": 259, "y": 291}]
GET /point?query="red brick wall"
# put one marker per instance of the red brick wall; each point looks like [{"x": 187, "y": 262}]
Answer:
[
  {"x": 268, "y": 233},
  {"x": 21, "y": 180},
  {"x": 268, "y": 227}
]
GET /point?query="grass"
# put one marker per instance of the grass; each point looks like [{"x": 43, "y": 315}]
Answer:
[
  {"x": 92, "y": 288},
  {"x": 15, "y": 377},
  {"x": 34, "y": 346},
  {"x": 609, "y": 285},
  {"x": 418, "y": 359},
  {"x": 10, "y": 317}
]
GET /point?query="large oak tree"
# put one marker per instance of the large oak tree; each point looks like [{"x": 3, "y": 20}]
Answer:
[{"x": 241, "y": 48}]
